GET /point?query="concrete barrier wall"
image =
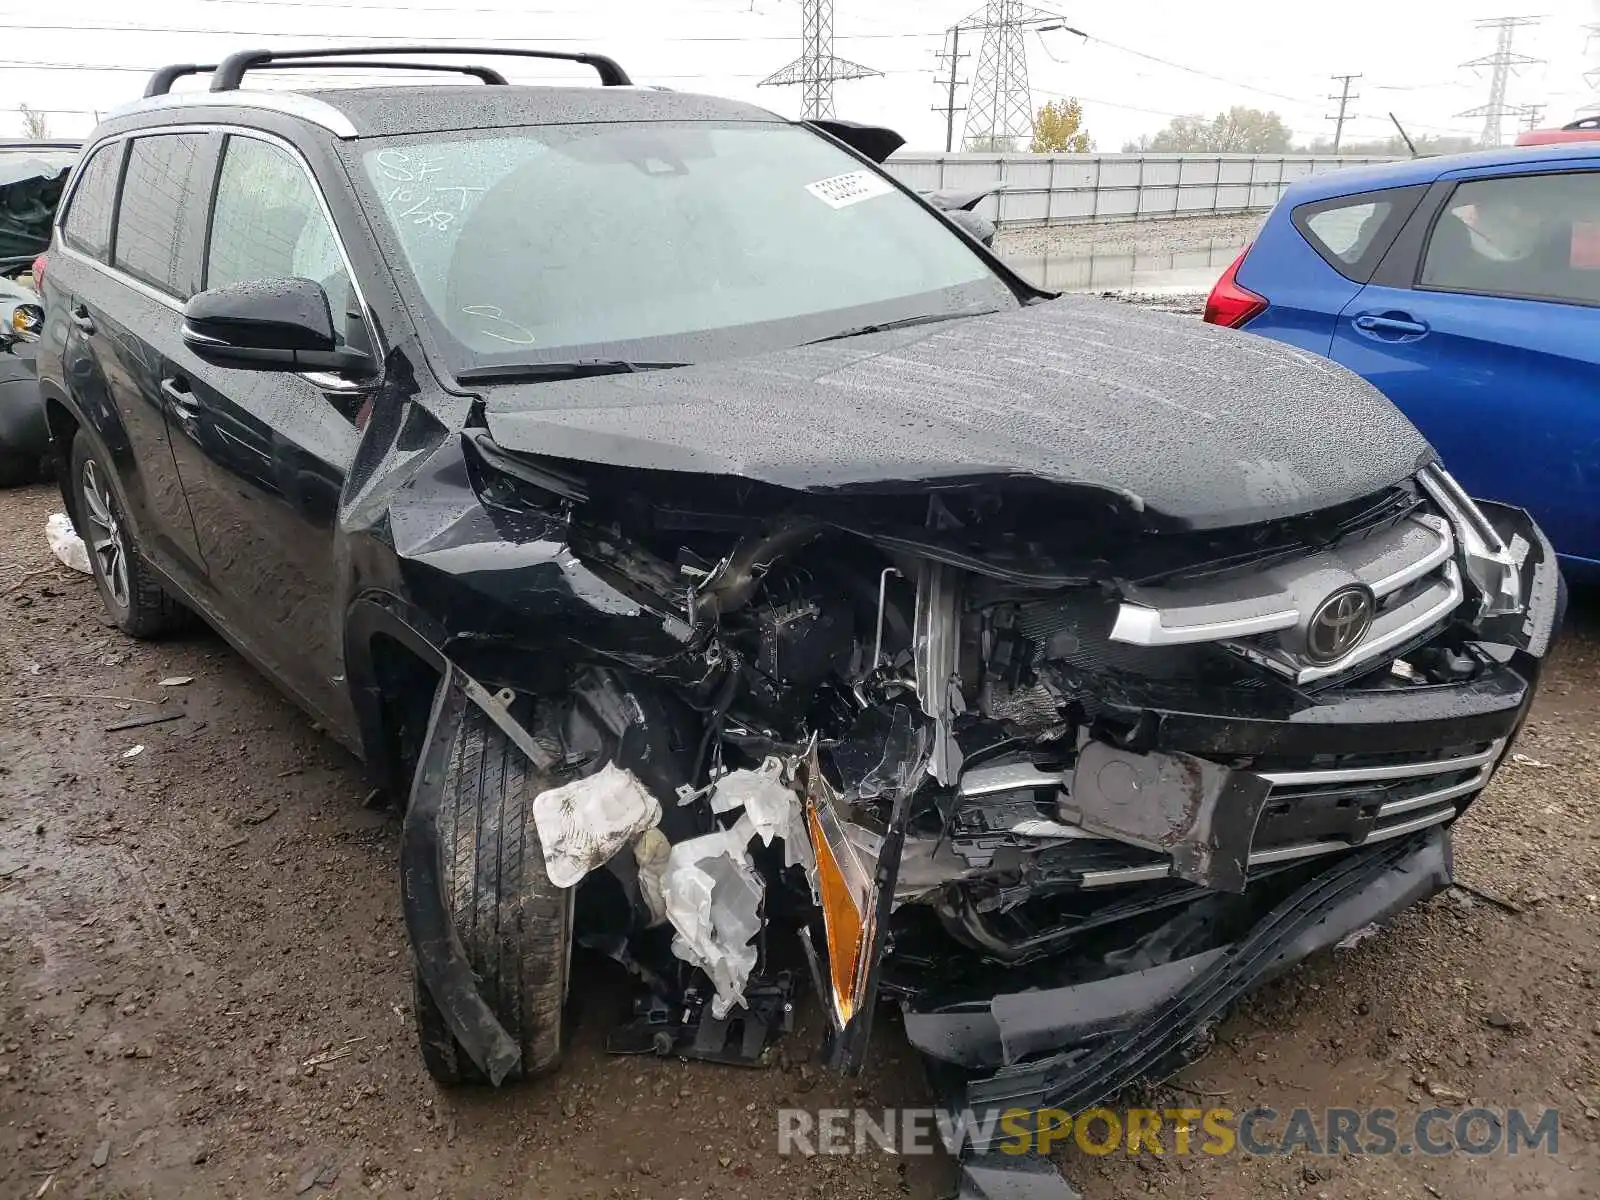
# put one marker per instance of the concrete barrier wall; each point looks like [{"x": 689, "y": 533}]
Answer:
[{"x": 1056, "y": 189}]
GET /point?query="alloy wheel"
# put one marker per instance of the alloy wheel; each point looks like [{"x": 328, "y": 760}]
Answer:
[{"x": 104, "y": 534}]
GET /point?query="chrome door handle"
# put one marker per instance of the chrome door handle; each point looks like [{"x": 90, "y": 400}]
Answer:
[{"x": 180, "y": 398}]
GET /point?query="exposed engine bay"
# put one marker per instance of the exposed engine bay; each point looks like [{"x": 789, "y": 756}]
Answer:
[{"x": 920, "y": 737}]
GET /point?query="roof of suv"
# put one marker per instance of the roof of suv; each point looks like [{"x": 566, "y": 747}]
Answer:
[{"x": 384, "y": 111}]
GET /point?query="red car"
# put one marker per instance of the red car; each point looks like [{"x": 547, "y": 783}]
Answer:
[{"x": 1586, "y": 129}]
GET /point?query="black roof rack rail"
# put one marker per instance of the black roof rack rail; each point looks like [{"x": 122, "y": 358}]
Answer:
[
  {"x": 161, "y": 82},
  {"x": 227, "y": 75}
]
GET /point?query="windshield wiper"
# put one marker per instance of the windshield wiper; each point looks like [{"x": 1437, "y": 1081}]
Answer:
[
  {"x": 546, "y": 372},
  {"x": 902, "y": 323}
]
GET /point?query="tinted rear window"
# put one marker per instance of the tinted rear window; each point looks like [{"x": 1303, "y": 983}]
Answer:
[
  {"x": 87, "y": 224},
  {"x": 1351, "y": 233},
  {"x": 161, "y": 196},
  {"x": 1348, "y": 231},
  {"x": 1533, "y": 237}
]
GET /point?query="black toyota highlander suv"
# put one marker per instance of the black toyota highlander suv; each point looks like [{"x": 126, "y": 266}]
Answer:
[{"x": 728, "y": 565}]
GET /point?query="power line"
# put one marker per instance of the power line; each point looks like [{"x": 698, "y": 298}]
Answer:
[
  {"x": 45, "y": 65},
  {"x": 1503, "y": 63},
  {"x": 432, "y": 37},
  {"x": 1177, "y": 66},
  {"x": 1344, "y": 97},
  {"x": 513, "y": 11},
  {"x": 817, "y": 67}
]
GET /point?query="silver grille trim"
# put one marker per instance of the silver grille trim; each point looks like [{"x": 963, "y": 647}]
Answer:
[
  {"x": 1410, "y": 770},
  {"x": 1391, "y": 629},
  {"x": 1396, "y": 818},
  {"x": 1264, "y": 616}
]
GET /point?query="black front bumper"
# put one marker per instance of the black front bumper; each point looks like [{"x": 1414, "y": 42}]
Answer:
[
  {"x": 1070, "y": 1048},
  {"x": 1055, "y": 1050}
]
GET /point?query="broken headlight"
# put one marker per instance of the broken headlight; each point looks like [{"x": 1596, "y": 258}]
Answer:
[{"x": 1489, "y": 563}]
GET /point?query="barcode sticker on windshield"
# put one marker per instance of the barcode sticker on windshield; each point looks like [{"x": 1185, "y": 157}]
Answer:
[{"x": 841, "y": 191}]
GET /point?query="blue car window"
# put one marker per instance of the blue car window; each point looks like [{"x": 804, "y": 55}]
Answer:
[
  {"x": 1525, "y": 236},
  {"x": 1347, "y": 231},
  {"x": 1352, "y": 234}
]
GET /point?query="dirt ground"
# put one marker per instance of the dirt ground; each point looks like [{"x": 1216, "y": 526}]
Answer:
[{"x": 204, "y": 989}]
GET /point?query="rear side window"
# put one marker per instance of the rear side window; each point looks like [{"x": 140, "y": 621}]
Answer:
[
  {"x": 162, "y": 198},
  {"x": 1351, "y": 233},
  {"x": 1531, "y": 237},
  {"x": 86, "y": 226}
]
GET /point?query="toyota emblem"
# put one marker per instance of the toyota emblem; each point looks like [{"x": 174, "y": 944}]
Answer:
[{"x": 1339, "y": 624}]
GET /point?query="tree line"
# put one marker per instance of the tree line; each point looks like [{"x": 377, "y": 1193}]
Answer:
[{"x": 1059, "y": 129}]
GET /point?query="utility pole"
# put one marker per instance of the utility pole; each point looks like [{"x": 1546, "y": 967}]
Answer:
[
  {"x": 1344, "y": 97},
  {"x": 1502, "y": 64},
  {"x": 1532, "y": 115},
  {"x": 949, "y": 108},
  {"x": 817, "y": 68}
]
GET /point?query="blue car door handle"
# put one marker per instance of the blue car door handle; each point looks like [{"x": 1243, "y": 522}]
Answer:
[{"x": 1390, "y": 323}]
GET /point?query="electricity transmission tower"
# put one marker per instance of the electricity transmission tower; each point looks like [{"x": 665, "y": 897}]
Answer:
[
  {"x": 1344, "y": 97},
  {"x": 817, "y": 68},
  {"x": 1000, "y": 109},
  {"x": 1592, "y": 76},
  {"x": 1502, "y": 64}
]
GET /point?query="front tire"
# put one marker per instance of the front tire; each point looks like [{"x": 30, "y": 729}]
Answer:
[
  {"x": 133, "y": 597},
  {"x": 513, "y": 922}
]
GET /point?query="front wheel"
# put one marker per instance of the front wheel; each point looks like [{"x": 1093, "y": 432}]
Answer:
[
  {"x": 128, "y": 586},
  {"x": 513, "y": 922}
]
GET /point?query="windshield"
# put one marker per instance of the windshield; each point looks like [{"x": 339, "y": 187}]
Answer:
[{"x": 664, "y": 241}]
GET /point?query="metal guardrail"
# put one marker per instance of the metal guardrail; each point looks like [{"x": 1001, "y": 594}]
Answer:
[{"x": 1056, "y": 189}]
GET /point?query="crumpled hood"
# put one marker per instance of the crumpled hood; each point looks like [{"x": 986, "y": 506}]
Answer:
[
  {"x": 1205, "y": 427},
  {"x": 30, "y": 189}
]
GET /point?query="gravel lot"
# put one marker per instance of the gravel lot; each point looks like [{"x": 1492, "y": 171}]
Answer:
[
  {"x": 204, "y": 988},
  {"x": 1128, "y": 237}
]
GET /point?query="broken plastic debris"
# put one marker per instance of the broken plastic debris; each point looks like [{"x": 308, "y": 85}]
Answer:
[
  {"x": 1356, "y": 936},
  {"x": 651, "y": 850},
  {"x": 713, "y": 898},
  {"x": 1522, "y": 760},
  {"x": 771, "y": 809},
  {"x": 133, "y": 752},
  {"x": 583, "y": 824},
  {"x": 65, "y": 543},
  {"x": 175, "y": 681}
]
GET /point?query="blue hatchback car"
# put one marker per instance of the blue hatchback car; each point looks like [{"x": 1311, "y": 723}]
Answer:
[{"x": 1467, "y": 288}]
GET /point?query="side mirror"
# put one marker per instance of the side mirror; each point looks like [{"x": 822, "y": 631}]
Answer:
[
  {"x": 22, "y": 325},
  {"x": 267, "y": 325},
  {"x": 970, "y": 223}
]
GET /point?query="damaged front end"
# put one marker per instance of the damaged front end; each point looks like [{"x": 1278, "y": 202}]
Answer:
[{"x": 1060, "y": 779}]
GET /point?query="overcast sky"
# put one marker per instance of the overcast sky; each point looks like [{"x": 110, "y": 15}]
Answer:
[{"x": 1263, "y": 53}]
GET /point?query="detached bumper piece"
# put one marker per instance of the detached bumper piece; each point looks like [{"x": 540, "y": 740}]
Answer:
[{"x": 1067, "y": 1049}]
